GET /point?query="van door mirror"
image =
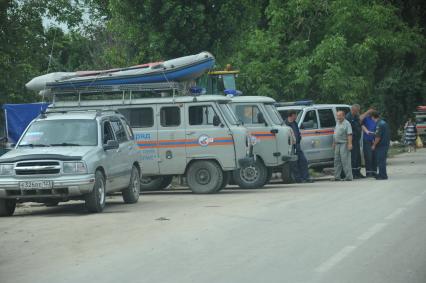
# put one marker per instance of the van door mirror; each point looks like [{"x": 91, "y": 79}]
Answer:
[
  {"x": 216, "y": 121},
  {"x": 111, "y": 144}
]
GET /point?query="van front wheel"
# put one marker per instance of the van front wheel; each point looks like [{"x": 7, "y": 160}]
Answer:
[
  {"x": 204, "y": 177},
  {"x": 252, "y": 176}
]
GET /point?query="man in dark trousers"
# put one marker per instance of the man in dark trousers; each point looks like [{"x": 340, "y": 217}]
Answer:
[
  {"x": 381, "y": 144},
  {"x": 356, "y": 120},
  {"x": 299, "y": 168}
]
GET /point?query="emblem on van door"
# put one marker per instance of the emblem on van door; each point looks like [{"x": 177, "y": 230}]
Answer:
[{"x": 204, "y": 140}]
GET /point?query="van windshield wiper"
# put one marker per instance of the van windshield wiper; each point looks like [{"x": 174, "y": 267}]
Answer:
[
  {"x": 65, "y": 144},
  {"x": 34, "y": 145}
]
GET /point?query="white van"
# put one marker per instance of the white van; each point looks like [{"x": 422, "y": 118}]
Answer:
[
  {"x": 316, "y": 123},
  {"x": 196, "y": 137}
]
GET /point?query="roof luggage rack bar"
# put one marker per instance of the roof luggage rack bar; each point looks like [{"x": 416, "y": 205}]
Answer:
[
  {"x": 165, "y": 86},
  {"x": 295, "y": 103}
]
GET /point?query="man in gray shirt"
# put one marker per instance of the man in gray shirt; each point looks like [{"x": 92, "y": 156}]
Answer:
[{"x": 342, "y": 144}]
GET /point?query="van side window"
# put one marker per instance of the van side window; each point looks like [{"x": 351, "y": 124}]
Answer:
[
  {"x": 201, "y": 115},
  {"x": 139, "y": 117},
  {"x": 107, "y": 133},
  {"x": 326, "y": 118},
  {"x": 127, "y": 128},
  {"x": 248, "y": 114},
  {"x": 119, "y": 131},
  {"x": 170, "y": 116},
  {"x": 310, "y": 121}
]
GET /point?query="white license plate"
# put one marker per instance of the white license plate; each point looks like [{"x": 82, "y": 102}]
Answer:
[{"x": 26, "y": 185}]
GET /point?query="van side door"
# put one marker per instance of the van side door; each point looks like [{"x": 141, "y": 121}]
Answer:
[
  {"x": 208, "y": 135},
  {"x": 309, "y": 128},
  {"x": 171, "y": 139},
  {"x": 145, "y": 128},
  {"x": 327, "y": 121}
]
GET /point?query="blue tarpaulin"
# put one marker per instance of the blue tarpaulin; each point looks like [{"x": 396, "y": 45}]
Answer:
[{"x": 18, "y": 116}]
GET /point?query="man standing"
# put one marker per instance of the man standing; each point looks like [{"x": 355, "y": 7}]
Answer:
[
  {"x": 381, "y": 145},
  {"x": 342, "y": 143},
  {"x": 369, "y": 130},
  {"x": 356, "y": 119},
  {"x": 299, "y": 168}
]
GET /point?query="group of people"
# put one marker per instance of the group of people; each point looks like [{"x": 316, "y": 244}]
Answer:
[
  {"x": 349, "y": 130},
  {"x": 375, "y": 140}
]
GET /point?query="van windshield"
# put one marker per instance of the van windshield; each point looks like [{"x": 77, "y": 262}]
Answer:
[
  {"x": 273, "y": 113},
  {"x": 65, "y": 132},
  {"x": 228, "y": 113}
]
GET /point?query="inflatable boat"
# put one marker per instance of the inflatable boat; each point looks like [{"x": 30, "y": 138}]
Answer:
[{"x": 179, "y": 69}]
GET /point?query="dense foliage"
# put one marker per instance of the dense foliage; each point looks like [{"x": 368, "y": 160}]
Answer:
[{"x": 345, "y": 51}]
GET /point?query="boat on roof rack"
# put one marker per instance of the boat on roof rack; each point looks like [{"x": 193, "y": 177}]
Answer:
[{"x": 179, "y": 69}]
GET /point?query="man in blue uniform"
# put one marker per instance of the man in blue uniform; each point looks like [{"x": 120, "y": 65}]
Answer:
[
  {"x": 299, "y": 168},
  {"x": 381, "y": 144},
  {"x": 369, "y": 130},
  {"x": 356, "y": 119}
]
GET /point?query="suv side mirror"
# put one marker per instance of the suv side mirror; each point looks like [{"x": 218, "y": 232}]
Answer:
[
  {"x": 111, "y": 144},
  {"x": 216, "y": 121}
]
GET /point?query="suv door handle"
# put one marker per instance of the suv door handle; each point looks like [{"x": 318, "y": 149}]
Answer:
[{"x": 190, "y": 133}]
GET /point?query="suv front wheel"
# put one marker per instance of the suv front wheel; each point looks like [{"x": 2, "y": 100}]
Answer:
[
  {"x": 95, "y": 200},
  {"x": 131, "y": 193},
  {"x": 7, "y": 207}
]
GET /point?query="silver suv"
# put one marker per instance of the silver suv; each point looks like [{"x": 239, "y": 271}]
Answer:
[{"x": 71, "y": 155}]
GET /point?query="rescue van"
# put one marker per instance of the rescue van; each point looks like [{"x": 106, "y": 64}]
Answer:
[
  {"x": 197, "y": 137},
  {"x": 273, "y": 140}
]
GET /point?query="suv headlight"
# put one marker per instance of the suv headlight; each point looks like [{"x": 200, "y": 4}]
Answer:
[
  {"x": 74, "y": 168},
  {"x": 6, "y": 169}
]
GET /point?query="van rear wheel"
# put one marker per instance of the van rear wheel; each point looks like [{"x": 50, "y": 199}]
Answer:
[
  {"x": 204, "y": 177},
  {"x": 252, "y": 176},
  {"x": 7, "y": 207}
]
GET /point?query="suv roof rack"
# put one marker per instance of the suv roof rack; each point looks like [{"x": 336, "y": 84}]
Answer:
[{"x": 296, "y": 103}]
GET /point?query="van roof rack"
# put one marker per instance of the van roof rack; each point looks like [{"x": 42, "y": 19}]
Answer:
[
  {"x": 296, "y": 103},
  {"x": 102, "y": 89}
]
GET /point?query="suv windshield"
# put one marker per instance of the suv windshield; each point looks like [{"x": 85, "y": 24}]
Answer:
[
  {"x": 284, "y": 113},
  {"x": 273, "y": 113},
  {"x": 229, "y": 114},
  {"x": 61, "y": 133}
]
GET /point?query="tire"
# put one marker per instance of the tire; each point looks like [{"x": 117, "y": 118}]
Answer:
[
  {"x": 286, "y": 174},
  {"x": 131, "y": 193},
  {"x": 251, "y": 177},
  {"x": 155, "y": 183},
  {"x": 7, "y": 207},
  {"x": 204, "y": 177},
  {"x": 225, "y": 182},
  {"x": 95, "y": 200}
]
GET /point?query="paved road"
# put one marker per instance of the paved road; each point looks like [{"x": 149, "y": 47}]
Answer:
[{"x": 362, "y": 231}]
